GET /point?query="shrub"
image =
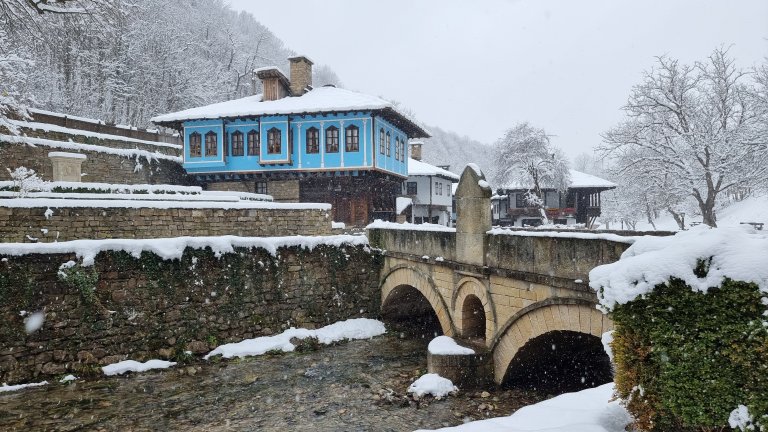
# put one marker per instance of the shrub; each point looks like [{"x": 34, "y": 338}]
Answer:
[{"x": 685, "y": 360}]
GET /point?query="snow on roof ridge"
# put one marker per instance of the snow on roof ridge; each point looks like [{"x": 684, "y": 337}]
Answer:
[
  {"x": 416, "y": 167},
  {"x": 267, "y": 68},
  {"x": 589, "y": 180},
  {"x": 319, "y": 99},
  {"x": 578, "y": 179}
]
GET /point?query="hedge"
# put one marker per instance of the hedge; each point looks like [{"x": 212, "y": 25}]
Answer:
[{"x": 686, "y": 359}]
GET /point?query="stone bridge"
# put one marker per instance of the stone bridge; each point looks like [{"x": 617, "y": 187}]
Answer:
[{"x": 518, "y": 295}]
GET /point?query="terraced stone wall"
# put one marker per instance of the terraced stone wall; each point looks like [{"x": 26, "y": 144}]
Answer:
[{"x": 50, "y": 224}]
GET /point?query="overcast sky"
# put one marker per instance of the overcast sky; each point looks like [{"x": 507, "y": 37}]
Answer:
[{"x": 479, "y": 67}]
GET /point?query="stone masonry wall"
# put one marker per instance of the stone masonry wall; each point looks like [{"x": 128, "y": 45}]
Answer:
[
  {"x": 99, "y": 167},
  {"x": 20, "y": 225},
  {"x": 143, "y": 308},
  {"x": 561, "y": 257}
]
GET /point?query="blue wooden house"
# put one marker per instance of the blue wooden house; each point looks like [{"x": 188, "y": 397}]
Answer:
[{"x": 301, "y": 144}]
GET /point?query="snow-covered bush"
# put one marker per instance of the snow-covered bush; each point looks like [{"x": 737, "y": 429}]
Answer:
[
  {"x": 25, "y": 180},
  {"x": 691, "y": 337}
]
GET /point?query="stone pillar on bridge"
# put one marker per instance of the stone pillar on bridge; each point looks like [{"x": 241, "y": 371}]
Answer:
[{"x": 473, "y": 215}]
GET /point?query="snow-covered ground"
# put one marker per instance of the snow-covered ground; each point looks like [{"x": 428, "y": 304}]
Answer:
[
  {"x": 589, "y": 410},
  {"x": 357, "y": 328},
  {"x": 752, "y": 209}
]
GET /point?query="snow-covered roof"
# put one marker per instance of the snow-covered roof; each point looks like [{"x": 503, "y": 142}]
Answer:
[
  {"x": 323, "y": 99},
  {"x": 578, "y": 180},
  {"x": 402, "y": 203},
  {"x": 419, "y": 168},
  {"x": 584, "y": 180}
]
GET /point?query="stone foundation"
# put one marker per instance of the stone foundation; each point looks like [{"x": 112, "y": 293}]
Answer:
[
  {"x": 472, "y": 371},
  {"x": 144, "y": 308}
]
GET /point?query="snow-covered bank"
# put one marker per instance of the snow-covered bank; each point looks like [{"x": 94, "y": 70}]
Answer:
[
  {"x": 585, "y": 411},
  {"x": 357, "y": 328},
  {"x": 10, "y": 388},
  {"x": 124, "y": 366}
]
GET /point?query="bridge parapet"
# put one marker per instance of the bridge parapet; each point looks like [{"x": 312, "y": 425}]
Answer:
[{"x": 532, "y": 255}]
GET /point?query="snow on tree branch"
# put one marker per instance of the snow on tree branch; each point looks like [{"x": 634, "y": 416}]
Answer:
[{"x": 694, "y": 130}]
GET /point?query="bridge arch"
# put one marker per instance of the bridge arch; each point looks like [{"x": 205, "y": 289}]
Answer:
[
  {"x": 401, "y": 277},
  {"x": 552, "y": 316},
  {"x": 469, "y": 291}
]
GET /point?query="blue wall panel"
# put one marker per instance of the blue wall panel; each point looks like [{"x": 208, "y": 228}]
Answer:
[{"x": 298, "y": 160}]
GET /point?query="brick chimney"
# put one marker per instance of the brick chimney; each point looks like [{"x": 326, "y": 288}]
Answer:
[
  {"x": 416, "y": 149},
  {"x": 274, "y": 83},
  {"x": 301, "y": 75}
]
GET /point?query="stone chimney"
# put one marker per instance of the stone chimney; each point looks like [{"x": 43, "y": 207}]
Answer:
[
  {"x": 274, "y": 83},
  {"x": 301, "y": 75},
  {"x": 416, "y": 149}
]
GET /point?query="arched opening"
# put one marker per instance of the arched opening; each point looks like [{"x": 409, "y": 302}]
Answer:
[
  {"x": 559, "y": 362},
  {"x": 473, "y": 319},
  {"x": 408, "y": 311}
]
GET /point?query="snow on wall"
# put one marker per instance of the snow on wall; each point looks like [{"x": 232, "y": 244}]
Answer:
[
  {"x": 71, "y": 145},
  {"x": 173, "y": 248},
  {"x": 575, "y": 235},
  {"x": 116, "y": 188},
  {"x": 47, "y": 127},
  {"x": 380, "y": 224},
  {"x": 136, "y": 202}
]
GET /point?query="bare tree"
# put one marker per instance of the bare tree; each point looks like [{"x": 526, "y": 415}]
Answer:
[
  {"x": 692, "y": 130},
  {"x": 526, "y": 157}
]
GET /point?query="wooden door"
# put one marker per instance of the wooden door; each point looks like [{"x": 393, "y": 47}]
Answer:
[{"x": 359, "y": 211}]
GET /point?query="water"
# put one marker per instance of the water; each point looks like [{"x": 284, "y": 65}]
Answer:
[{"x": 354, "y": 386}]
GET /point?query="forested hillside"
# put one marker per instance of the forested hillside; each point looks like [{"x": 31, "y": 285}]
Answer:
[
  {"x": 125, "y": 61},
  {"x": 449, "y": 148}
]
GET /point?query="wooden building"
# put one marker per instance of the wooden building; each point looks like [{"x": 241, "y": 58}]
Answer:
[{"x": 580, "y": 204}]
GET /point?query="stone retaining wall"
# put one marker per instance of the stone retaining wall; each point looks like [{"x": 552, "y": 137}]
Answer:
[
  {"x": 98, "y": 167},
  {"x": 26, "y": 224},
  {"x": 145, "y": 308}
]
